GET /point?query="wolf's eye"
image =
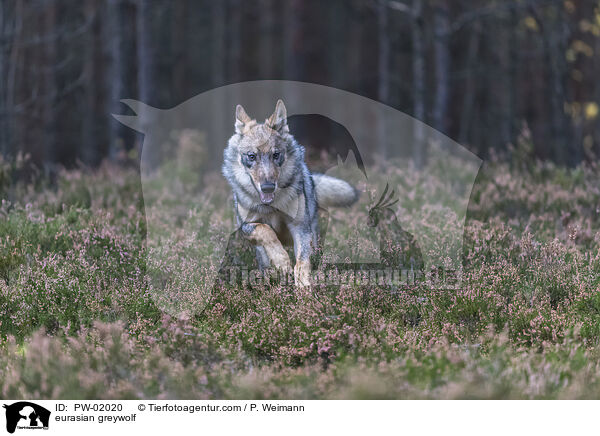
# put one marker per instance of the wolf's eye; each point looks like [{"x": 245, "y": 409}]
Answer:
[
  {"x": 251, "y": 157},
  {"x": 276, "y": 155}
]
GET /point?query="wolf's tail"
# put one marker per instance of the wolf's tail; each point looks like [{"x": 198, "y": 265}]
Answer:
[{"x": 334, "y": 192}]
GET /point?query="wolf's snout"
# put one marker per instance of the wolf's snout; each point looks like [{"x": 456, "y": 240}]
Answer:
[
  {"x": 267, "y": 187},
  {"x": 267, "y": 190}
]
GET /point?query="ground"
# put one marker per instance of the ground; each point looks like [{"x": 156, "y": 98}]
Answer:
[{"x": 78, "y": 318}]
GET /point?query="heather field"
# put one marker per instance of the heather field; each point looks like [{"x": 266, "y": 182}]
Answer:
[{"x": 78, "y": 318}]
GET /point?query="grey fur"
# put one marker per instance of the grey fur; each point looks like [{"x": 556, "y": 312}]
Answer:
[{"x": 292, "y": 212}]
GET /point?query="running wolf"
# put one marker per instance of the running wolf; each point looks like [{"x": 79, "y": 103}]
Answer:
[{"x": 276, "y": 198}]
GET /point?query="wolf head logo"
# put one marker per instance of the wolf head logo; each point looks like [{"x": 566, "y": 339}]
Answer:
[
  {"x": 26, "y": 414},
  {"x": 431, "y": 204}
]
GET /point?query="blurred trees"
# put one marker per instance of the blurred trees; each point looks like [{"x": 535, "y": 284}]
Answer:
[{"x": 477, "y": 71}]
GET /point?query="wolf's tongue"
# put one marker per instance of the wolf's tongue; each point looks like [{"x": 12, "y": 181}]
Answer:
[{"x": 267, "y": 198}]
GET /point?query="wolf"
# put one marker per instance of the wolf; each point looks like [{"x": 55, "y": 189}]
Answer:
[{"x": 276, "y": 199}]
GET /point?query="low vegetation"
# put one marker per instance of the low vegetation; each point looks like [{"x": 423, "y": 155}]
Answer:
[{"x": 78, "y": 318}]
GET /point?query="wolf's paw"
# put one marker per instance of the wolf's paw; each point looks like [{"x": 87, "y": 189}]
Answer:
[
  {"x": 264, "y": 236},
  {"x": 302, "y": 274},
  {"x": 280, "y": 259}
]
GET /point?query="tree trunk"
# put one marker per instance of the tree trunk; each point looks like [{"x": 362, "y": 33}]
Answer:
[
  {"x": 554, "y": 43},
  {"x": 470, "y": 84},
  {"x": 441, "y": 49},
  {"x": 145, "y": 70},
  {"x": 383, "y": 88},
  {"x": 50, "y": 86},
  {"x": 116, "y": 75},
  {"x": 221, "y": 121},
  {"x": 13, "y": 60},
  {"x": 4, "y": 126},
  {"x": 179, "y": 49},
  {"x": 293, "y": 38},
  {"x": 266, "y": 26},
  {"x": 513, "y": 61},
  {"x": 235, "y": 43},
  {"x": 144, "y": 50},
  {"x": 218, "y": 43},
  {"x": 92, "y": 131},
  {"x": 418, "y": 69}
]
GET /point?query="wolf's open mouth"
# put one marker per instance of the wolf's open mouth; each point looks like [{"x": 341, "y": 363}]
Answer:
[{"x": 267, "y": 198}]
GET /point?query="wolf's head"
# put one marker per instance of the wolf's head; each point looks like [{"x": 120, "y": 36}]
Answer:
[{"x": 262, "y": 150}]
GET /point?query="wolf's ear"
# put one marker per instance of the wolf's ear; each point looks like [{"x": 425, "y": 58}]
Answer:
[
  {"x": 241, "y": 119},
  {"x": 278, "y": 121}
]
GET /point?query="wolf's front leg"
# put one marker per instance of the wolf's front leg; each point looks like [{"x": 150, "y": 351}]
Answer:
[
  {"x": 303, "y": 249},
  {"x": 262, "y": 258},
  {"x": 269, "y": 249}
]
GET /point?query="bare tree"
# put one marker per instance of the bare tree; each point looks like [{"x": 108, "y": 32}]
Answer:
[
  {"x": 470, "y": 83},
  {"x": 418, "y": 69},
  {"x": 144, "y": 51},
  {"x": 179, "y": 47},
  {"x": 554, "y": 41},
  {"x": 116, "y": 75},
  {"x": 266, "y": 39},
  {"x": 218, "y": 52},
  {"x": 234, "y": 49},
  {"x": 218, "y": 42},
  {"x": 93, "y": 129},
  {"x": 14, "y": 53},
  {"x": 441, "y": 27},
  {"x": 49, "y": 93},
  {"x": 294, "y": 35},
  {"x": 145, "y": 66},
  {"x": 383, "y": 88}
]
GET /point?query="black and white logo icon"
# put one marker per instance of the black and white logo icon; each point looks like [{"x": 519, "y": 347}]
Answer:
[{"x": 26, "y": 415}]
